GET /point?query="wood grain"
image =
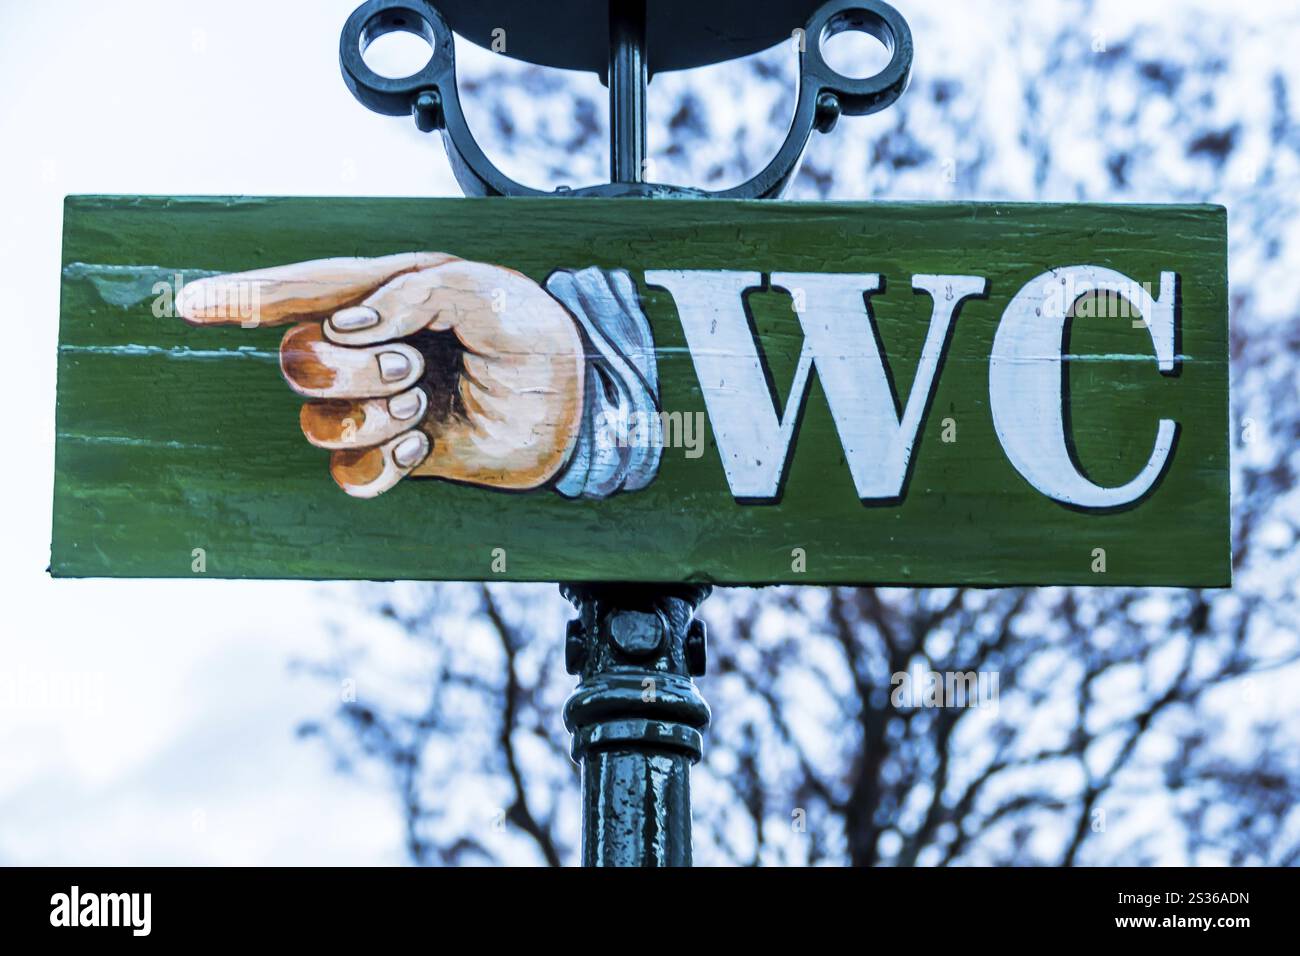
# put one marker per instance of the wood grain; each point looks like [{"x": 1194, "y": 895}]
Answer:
[{"x": 173, "y": 438}]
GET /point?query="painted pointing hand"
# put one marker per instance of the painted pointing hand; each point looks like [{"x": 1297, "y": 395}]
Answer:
[{"x": 420, "y": 364}]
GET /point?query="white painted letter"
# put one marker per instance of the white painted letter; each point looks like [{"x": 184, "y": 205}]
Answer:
[
  {"x": 838, "y": 328},
  {"x": 1025, "y": 381},
  {"x": 840, "y": 340}
]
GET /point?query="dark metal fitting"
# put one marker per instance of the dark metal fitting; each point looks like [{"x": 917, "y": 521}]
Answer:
[
  {"x": 653, "y": 735},
  {"x": 697, "y": 657},
  {"x": 657, "y": 697},
  {"x": 828, "y": 112},
  {"x": 428, "y": 111},
  {"x": 637, "y": 634},
  {"x": 430, "y": 93},
  {"x": 575, "y": 649}
]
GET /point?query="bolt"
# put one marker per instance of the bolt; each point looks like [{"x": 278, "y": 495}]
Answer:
[
  {"x": 428, "y": 111},
  {"x": 827, "y": 112},
  {"x": 575, "y": 648},
  {"x": 697, "y": 657},
  {"x": 636, "y": 633}
]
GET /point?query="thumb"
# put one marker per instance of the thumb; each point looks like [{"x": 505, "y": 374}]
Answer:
[{"x": 291, "y": 293}]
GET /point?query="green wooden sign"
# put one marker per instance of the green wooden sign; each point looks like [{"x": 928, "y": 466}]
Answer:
[{"x": 732, "y": 392}]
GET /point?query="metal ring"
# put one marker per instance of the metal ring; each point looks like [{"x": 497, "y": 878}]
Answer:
[
  {"x": 858, "y": 97},
  {"x": 430, "y": 94},
  {"x": 393, "y": 96}
]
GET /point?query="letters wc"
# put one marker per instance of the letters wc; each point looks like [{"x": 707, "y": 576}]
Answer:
[{"x": 729, "y": 392}]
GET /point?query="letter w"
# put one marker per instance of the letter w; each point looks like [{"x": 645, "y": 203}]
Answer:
[{"x": 840, "y": 340}]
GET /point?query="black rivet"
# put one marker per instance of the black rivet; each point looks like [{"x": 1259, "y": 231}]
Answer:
[{"x": 428, "y": 111}]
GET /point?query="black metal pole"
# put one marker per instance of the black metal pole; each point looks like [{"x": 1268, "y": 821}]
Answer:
[
  {"x": 636, "y": 717},
  {"x": 627, "y": 91}
]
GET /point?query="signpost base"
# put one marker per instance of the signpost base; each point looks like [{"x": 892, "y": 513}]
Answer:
[{"x": 636, "y": 718}]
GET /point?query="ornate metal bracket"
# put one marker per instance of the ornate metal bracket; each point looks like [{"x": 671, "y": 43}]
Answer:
[{"x": 431, "y": 96}]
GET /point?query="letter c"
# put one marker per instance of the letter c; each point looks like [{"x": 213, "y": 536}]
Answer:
[{"x": 1025, "y": 381}]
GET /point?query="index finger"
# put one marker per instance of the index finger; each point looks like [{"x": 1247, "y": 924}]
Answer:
[{"x": 291, "y": 293}]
